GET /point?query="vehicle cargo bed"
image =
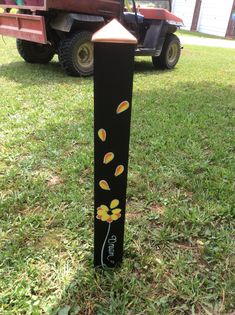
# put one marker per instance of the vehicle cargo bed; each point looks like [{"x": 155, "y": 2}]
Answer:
[{"x": 101, "y": 7}]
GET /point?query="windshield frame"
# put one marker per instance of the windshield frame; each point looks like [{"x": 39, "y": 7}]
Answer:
[{"x": 144, "y": 3}]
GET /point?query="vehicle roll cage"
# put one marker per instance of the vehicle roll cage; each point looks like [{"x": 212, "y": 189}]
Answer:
[
  {"x": 122, "y": 2},
  {"x": 134, "y": 4}
]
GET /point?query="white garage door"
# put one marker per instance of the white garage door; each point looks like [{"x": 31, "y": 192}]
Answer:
[
  {"x": 184, "y": 9},
  {"x": 214, "y": 16}
]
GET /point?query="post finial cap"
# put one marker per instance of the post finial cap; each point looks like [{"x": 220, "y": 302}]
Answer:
[{"x": 114, "y": 32}]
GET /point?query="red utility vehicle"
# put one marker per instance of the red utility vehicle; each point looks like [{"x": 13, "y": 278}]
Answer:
[{"x": 44, "y": 28}]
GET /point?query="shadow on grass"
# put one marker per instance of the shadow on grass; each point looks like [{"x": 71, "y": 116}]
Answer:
[
  {"x": 89, "y": 287},
  {"x": 144, "y": 65},
  {"x": 182, "y": 121},
  {"x": 88, "y": 290},
  {"x": 22, "y": 72},
  {"x": 45, "y": 211}
]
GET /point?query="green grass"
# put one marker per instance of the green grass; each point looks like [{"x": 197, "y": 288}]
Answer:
[
  {"x": 179, "y": 244},
  {"x": 198, "y": 34}
]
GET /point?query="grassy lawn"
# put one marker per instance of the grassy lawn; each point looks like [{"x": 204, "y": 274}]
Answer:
[
  {"x": 179, "y": 244},
  {"x": 198, "y": 34}
]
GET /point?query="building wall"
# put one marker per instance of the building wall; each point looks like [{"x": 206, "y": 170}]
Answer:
[
  {"x": 184, "y": 9},
  {"x": 213, "y": 16}
]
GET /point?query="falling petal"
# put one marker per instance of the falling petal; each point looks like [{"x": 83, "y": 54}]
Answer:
[
  {"x": 123, "y": 107},
  {"x": 104, "y": 185},
  {"x": 119, "y": 170},
  {"x": 108, "y": 157},
  {"x": 102, "y": 135},
  {"x": 114, "y": 203}
]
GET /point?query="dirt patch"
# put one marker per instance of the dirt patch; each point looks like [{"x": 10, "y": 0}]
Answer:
[
  {"x": 157, "y": 208},
  {"x": 54, "y": 181},
  {"x": 135, "y": 209},
  {"x": 134, "y": 215},
  {"x": 51, "y": 239},
  {"x": 31, "y": 211},
  {"x": 186, "y": 246}
]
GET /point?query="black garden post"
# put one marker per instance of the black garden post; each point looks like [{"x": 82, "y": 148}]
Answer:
[{"x": 113, "y": 80}]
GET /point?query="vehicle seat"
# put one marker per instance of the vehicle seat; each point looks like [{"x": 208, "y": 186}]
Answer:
[{"x": 129, "y": 17}]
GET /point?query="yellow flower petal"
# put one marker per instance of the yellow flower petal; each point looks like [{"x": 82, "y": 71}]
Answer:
[
  {"x": 103, "y": 207},
  {"x": 116, "y": 211},
  {"x": 105, "y": 217},
  {"x": 115, "y": 217},
  {"x": 101, "y": 212},
  {"x": 104, "y": 185},
  {"x": 114, "y": 203},
  {"x": 108, "y": 157},
  {"x": 109, "y": 220},
  {"x": 119, "y": 170},
  {"x": 123, "y": 107},
  {"x": 102, "y": 134}
]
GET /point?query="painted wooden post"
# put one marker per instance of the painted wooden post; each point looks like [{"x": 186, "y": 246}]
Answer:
[{"x": 113, "y": 80}]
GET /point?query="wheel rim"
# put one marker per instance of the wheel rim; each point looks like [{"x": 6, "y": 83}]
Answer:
[
  {"x": 172, "y": 53},
  {"x": 85, "y": 55}
]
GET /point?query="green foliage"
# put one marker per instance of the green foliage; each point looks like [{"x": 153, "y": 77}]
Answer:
[{"x": 180, "y": 215}]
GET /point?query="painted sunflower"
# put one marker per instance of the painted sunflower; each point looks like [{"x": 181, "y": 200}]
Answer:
[{"x": 109, "y": 214}]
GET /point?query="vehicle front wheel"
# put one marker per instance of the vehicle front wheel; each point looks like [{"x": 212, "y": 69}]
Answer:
[
  {"x": 34, "y": 52},
  {"x": 76, "y": 54},
  {"x": 170, "y": 54}
]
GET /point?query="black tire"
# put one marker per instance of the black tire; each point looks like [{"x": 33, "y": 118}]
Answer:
[
  {"x": 34, "y": 52},
  {"x": 170, "y": 54},
  {"x": 76, "y": 54}
]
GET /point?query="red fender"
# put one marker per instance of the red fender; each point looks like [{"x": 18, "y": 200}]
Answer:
[{"x": 160, "y": 14}]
